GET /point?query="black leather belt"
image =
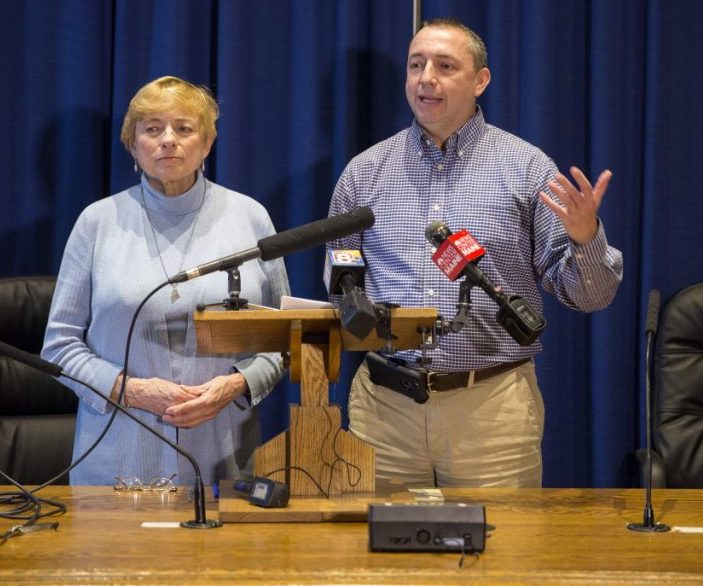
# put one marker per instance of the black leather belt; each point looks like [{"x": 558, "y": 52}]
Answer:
[
  {"x": 446, "y": 381},
  {"x": 417, "y": 384}
]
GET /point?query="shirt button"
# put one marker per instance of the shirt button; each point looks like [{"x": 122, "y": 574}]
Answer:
[
  {"x": 435, "y": 207},
  {"x": 440, "y": 166},
  {"x": 579, "y": 255},
  {"x": 461, "y": 153},
  {"x": 430, "y": 292}
]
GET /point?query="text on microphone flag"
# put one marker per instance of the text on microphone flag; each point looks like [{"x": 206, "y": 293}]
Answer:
[
  {"x": 467, "y": 245},
  {"x": 346, "y": 257},
  {"x": 456, "y": 252}
]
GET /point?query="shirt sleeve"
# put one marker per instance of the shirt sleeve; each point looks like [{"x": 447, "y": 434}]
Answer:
[
  {"x": 582, "y": 277},
  {"x": 263, "y": 370},
  {"x": 69, "y": 318}
]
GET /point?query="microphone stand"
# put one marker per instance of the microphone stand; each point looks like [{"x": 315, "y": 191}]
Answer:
[
  {"x": 234, "y": 285},
  {"x": 200, "y": 521},
  {"x": 648, "y": 525},
  {"x": 463, "y": 306}
]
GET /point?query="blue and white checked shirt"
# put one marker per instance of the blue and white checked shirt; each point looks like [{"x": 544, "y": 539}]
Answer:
[{"x": 486, "y": 181}]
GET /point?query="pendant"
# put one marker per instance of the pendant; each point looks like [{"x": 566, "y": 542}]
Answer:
[{"x": 174, "y": 295}]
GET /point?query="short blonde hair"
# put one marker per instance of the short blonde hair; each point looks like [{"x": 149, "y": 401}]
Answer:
[{"x": 168, "y": 93}]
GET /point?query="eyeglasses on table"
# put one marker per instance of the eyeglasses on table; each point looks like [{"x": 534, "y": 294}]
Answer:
[{"x": 132, "y": 483}]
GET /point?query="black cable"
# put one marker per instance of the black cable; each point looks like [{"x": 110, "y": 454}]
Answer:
[
  {"x": 339, "y": 458},
  {"x": 26, "y": 501},
  {"x": 299, "y": 469}
]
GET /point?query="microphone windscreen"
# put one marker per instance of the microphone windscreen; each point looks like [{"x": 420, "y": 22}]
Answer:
[
  {"x": 339, "y": 263},
  {"x": 315, "y": 233},
  {"x": 437, "y": 232},
  {"x": 653, "y": 312},
  {"x": 29, "y": 359}
]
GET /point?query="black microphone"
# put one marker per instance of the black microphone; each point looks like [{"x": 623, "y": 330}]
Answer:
[
  {"x": 458, "y": 254},
  {"x": 648, "y": 525},
  {"x": 287, "y": 242},
  {"x": 344, "y": 274},
  {"x": 200, "y": 522}
]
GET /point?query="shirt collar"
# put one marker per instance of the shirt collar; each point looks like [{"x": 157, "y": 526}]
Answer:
[{"x": 461, "y": 140}]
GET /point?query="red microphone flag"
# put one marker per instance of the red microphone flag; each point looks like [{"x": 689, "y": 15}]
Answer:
[{"x": 457, "y": 250}]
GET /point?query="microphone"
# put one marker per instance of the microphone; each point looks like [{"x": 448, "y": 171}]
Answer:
[
  {"x": 458, "y": 254},
  {"x": 344, "y": 274},
  {"x": 454, "y": 251},
  {"x": 287, "y": 242},
  {"x": 648, "y": 525},
  {"x": 200, "y": 521}
]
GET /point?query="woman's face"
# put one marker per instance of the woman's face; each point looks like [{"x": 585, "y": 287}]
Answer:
[{"x": 169, "y": 147}]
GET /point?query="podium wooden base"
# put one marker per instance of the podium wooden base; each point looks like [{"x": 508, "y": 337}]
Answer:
[{"x": 315, "y": 457}]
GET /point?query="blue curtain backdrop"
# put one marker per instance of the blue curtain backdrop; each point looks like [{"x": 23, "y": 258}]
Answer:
[{"x": 306, "y": 84}]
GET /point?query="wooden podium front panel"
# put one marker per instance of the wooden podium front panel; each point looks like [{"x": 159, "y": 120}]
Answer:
[{"x": 259, "y": 330}]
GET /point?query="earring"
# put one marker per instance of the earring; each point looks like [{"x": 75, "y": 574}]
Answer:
[
  {"x": 202, "y": 166},
  {"x": 136, "y": 167}
]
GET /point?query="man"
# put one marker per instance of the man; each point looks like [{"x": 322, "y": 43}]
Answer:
[{"x": 484, "y": 424}]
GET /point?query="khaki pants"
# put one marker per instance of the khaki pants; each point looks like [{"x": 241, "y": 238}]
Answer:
[{"x": 489, "y": 434}]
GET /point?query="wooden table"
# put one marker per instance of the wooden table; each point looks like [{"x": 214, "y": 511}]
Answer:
[{"x": 541, "y": 537}]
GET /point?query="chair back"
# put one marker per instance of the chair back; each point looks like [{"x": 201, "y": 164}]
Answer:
[
  {"x": 37, "y": 413},
  {"x": 677, "y": 433}
]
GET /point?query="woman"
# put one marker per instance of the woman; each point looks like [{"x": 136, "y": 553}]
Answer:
[{"x": 124, "y": 246}]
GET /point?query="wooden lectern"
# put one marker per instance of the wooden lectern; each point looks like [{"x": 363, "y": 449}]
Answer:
[{"x": 314, "y": 456}]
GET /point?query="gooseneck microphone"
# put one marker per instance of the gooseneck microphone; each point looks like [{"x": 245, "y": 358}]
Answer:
[
  {"x": 648, "y": 524},
  {"x": 458, "y": 254},
  {"x": 200, "y": 521},
  {"x": 287, "y": 242}
]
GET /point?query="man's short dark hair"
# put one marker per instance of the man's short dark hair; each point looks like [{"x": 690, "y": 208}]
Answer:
[{"x": 476, "y": 45}]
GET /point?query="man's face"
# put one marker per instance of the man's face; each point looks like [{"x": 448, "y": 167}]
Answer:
[{"x": 442, "y": 84}]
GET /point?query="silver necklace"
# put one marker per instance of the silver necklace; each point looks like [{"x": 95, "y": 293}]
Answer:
[{"x": 174, "y": 292}]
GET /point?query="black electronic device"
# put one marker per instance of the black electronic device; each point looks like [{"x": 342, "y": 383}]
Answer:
[
  {"x": 264, "y": 492},
  {"x": 427, "y": 527}
]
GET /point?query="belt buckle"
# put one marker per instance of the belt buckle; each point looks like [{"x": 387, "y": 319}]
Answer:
[
  {"x": 429, "y": 376},
  {"x": 428, "y": 382}
]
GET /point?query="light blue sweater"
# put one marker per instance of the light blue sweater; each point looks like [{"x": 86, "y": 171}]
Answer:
[{"x": 109, "y": 266}]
